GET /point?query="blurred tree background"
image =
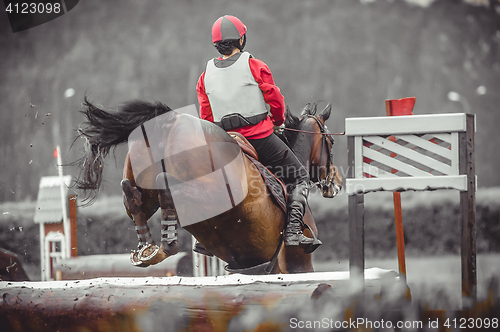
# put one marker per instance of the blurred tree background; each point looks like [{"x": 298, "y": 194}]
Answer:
[{"x": 354, "y": 54}]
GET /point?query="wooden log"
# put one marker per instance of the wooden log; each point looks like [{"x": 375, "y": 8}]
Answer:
[{"x": 176, "y": 303}]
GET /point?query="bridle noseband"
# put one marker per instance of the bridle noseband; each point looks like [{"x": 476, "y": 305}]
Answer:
[{"x": 326, "y": 136}]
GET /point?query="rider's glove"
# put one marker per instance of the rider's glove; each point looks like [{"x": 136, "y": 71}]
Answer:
[{"x": 279, "y": 129}]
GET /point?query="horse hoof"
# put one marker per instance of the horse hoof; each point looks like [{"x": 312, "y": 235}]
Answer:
[
  {"x": 135, "y": 260},
  {"x": 172, "y": 248},
  {"x": 152, "y": 254}
]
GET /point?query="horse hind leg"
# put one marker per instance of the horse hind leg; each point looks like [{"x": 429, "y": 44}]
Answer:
[{"x": 132, "y": 200}]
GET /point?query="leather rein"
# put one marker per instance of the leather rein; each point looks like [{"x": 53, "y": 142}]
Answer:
[{"x": 312, "y": 132}]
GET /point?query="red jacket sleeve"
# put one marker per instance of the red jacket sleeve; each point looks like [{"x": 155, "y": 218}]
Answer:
[
  {"x": 205, "y": 109},
  {"x": 272, "y": 94}
]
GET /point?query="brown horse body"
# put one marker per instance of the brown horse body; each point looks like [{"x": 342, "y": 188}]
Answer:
[{"x": 245, "y": 235}]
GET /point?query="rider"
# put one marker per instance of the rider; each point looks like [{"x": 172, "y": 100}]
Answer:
[{"x": 235, "y": 91}]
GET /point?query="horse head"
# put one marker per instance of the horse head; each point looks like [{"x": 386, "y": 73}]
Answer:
[{"x": 309, "y": 138}]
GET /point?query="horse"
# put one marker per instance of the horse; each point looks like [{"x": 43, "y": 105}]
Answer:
[{"x": 248, "y": 233}]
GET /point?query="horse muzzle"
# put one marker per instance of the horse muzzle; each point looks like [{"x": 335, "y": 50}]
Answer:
[
  {"x": 330, "y": 191},
  {"x": 328, "y": 188}
]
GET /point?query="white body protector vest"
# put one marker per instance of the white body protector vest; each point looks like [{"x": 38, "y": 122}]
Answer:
[{"x": 235, "y": 97}]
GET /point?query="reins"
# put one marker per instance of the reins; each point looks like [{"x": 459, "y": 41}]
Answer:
[{"x": 312, "y": 132}]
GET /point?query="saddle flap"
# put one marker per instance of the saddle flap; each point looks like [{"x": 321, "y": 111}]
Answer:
[
  {"x": 244, "y": 144},
  {"x": 275, "y": 186}
]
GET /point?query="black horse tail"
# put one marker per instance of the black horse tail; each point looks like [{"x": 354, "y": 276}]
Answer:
[{"x": 104, "y": 130}]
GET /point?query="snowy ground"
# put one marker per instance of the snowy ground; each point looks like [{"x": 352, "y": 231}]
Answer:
[{"x": 428, "y": 275}]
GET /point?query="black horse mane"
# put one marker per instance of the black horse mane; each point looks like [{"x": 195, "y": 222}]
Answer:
[
  {"x": 110, "y": 128},
  {"x": 104, "y": 130}
]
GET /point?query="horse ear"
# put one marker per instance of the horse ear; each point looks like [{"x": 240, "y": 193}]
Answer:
[
  {"x": 306, "y": 110},
  {"x": 325, "y": 114},
  {"x": 314, "y": 109}
]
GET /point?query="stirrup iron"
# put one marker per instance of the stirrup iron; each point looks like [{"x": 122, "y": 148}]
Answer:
[
  {"x": 200, "y": 249},
  {"x": 315, "y": 243}
]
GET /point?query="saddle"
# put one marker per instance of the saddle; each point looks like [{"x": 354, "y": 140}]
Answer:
[
  {"x": 275, "y": 186},
  {"x": 244, "y": 144}
]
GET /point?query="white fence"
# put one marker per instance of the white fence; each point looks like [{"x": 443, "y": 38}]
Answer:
[
  {"x": 417, "y": 152},
  {"x": 205, "y": 266}
]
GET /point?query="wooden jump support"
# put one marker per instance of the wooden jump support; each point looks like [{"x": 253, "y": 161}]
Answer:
[
  {"x": 398, "y": 107},
  {"x": 430, "y": 152}
]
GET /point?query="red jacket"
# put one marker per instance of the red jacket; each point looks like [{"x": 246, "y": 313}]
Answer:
[{"x": 272, "y": 96}]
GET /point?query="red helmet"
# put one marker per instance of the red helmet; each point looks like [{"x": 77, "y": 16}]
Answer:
[{"x": 227, "y": 27}]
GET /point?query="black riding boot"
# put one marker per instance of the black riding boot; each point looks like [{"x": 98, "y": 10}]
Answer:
[{"x": 297, "y": 202}]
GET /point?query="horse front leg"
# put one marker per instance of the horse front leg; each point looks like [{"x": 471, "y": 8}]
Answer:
[
  {"x": 153, "y": 254},
  {"x": 169, "y": 224},
  {"x": 132, "y": 199},
  {"x": 169, "y": 218}
]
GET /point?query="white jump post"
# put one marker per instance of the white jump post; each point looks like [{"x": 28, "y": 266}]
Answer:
[
  {"x": 433, "y": 152},
  {"x": 205, "y": 266}
]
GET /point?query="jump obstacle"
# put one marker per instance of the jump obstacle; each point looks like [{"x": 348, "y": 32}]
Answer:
[
  {"x": 417, "y": 152},
  {"x": 432, "y": 152}
]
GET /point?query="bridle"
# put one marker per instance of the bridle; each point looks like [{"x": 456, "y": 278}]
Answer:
[{"x": 325, "y": 139}]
